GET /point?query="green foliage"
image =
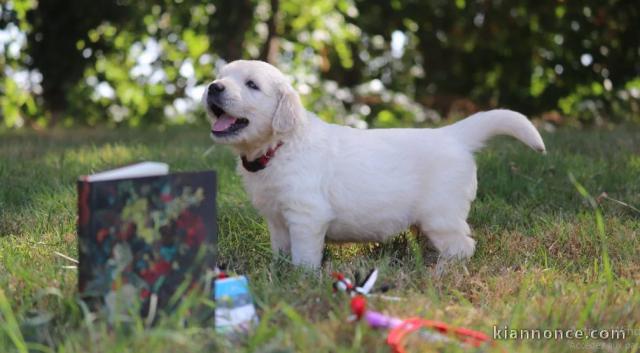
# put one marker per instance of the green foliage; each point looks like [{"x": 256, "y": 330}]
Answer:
[
  {"x": 359, "y": 62},
  {"x": 15, "y": 102}
]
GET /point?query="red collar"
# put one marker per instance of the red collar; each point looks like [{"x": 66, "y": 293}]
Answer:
[{"x": 260, "y": 162}]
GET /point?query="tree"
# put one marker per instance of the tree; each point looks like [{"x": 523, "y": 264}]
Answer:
[
  {"x": 227, "y": 30},
  {"x": 59, "y": 46}
]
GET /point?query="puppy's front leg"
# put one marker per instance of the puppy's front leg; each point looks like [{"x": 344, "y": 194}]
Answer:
[
  {"x": 307, "y": 243},
  {"x": 280, "y": 240}
]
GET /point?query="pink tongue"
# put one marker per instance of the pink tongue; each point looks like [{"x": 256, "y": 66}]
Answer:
[{"x": 223, "y": 123}]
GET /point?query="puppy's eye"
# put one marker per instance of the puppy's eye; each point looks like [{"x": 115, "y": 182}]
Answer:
[{"x": 252, "y": 85}]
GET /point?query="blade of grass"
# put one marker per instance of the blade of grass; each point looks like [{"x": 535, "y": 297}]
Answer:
[
  {"x": 606, "y": 262},
  {"x": 10, "y": 324}
]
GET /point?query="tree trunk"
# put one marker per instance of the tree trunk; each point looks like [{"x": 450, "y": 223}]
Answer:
[
  {"x": 269, "y": 52},
  {"x": 228, "y": 30},
  {"x": 55, "y": 101}
]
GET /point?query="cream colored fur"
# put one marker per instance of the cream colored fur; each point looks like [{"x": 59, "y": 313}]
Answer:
[{"x": 335, "y": 183}]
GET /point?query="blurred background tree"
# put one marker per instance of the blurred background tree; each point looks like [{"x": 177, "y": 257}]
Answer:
[{"x": 359, "y": 62}]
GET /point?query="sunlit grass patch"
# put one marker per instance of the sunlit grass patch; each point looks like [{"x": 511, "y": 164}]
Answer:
[{"x": 539, "y": 260}]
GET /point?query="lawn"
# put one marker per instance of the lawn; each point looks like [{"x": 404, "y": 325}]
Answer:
[{"x": 545, "y": 258}]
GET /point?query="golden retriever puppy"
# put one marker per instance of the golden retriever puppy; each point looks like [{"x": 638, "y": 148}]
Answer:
[{"x": 316, "y": 182}]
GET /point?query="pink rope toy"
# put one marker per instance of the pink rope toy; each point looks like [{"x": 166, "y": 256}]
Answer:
[{"x": 400, "y": 328}]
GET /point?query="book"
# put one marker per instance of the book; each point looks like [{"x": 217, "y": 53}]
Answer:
[{"x": 144, "y": 236}]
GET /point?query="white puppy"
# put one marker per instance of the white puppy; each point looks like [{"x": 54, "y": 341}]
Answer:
[{"x": 315, "y": 181}]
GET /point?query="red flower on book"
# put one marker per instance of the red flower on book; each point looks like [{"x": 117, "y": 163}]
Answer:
[
  {"x": 166, "y": 197},
  {"x": 158, "y": 269},
  {"x": 126, "y": 231},
  {"x": 102, "y": 233},
  {"x": 162, "y": 267},
  {"x": 193, "y": 226},
  {"x": 184, "y": 219},
  {"x": 149, "y": 276}
]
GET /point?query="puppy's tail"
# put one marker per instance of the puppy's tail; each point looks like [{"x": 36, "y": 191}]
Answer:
[{"x": 477, "y": 129}]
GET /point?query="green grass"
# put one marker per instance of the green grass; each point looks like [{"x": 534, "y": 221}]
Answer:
[{"x": 548, "y": 255}]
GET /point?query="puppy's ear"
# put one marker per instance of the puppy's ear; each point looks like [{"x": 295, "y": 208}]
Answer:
[{"x": 289, "y": 110}]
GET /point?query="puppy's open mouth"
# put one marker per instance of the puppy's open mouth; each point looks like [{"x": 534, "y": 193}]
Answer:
[{"x": 226, "y": 124}]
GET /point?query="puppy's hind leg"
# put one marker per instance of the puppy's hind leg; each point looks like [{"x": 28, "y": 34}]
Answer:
[
  {"x": 443, "y": 215},
  {"x": 453, "y": 243},
  {"x": 448, "y": 231}
]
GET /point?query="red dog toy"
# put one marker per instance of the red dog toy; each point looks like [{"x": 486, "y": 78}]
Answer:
[{"x": 399, "y": 328}]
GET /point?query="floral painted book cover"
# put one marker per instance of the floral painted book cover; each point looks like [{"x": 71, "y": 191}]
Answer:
[{"x": 145, "y": 240}]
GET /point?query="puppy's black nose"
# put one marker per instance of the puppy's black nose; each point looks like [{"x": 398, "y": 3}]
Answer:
[{"x": 215, "y": 88}]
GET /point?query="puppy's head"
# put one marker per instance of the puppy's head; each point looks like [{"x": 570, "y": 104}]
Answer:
[{"x": 249, "y": 102}]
